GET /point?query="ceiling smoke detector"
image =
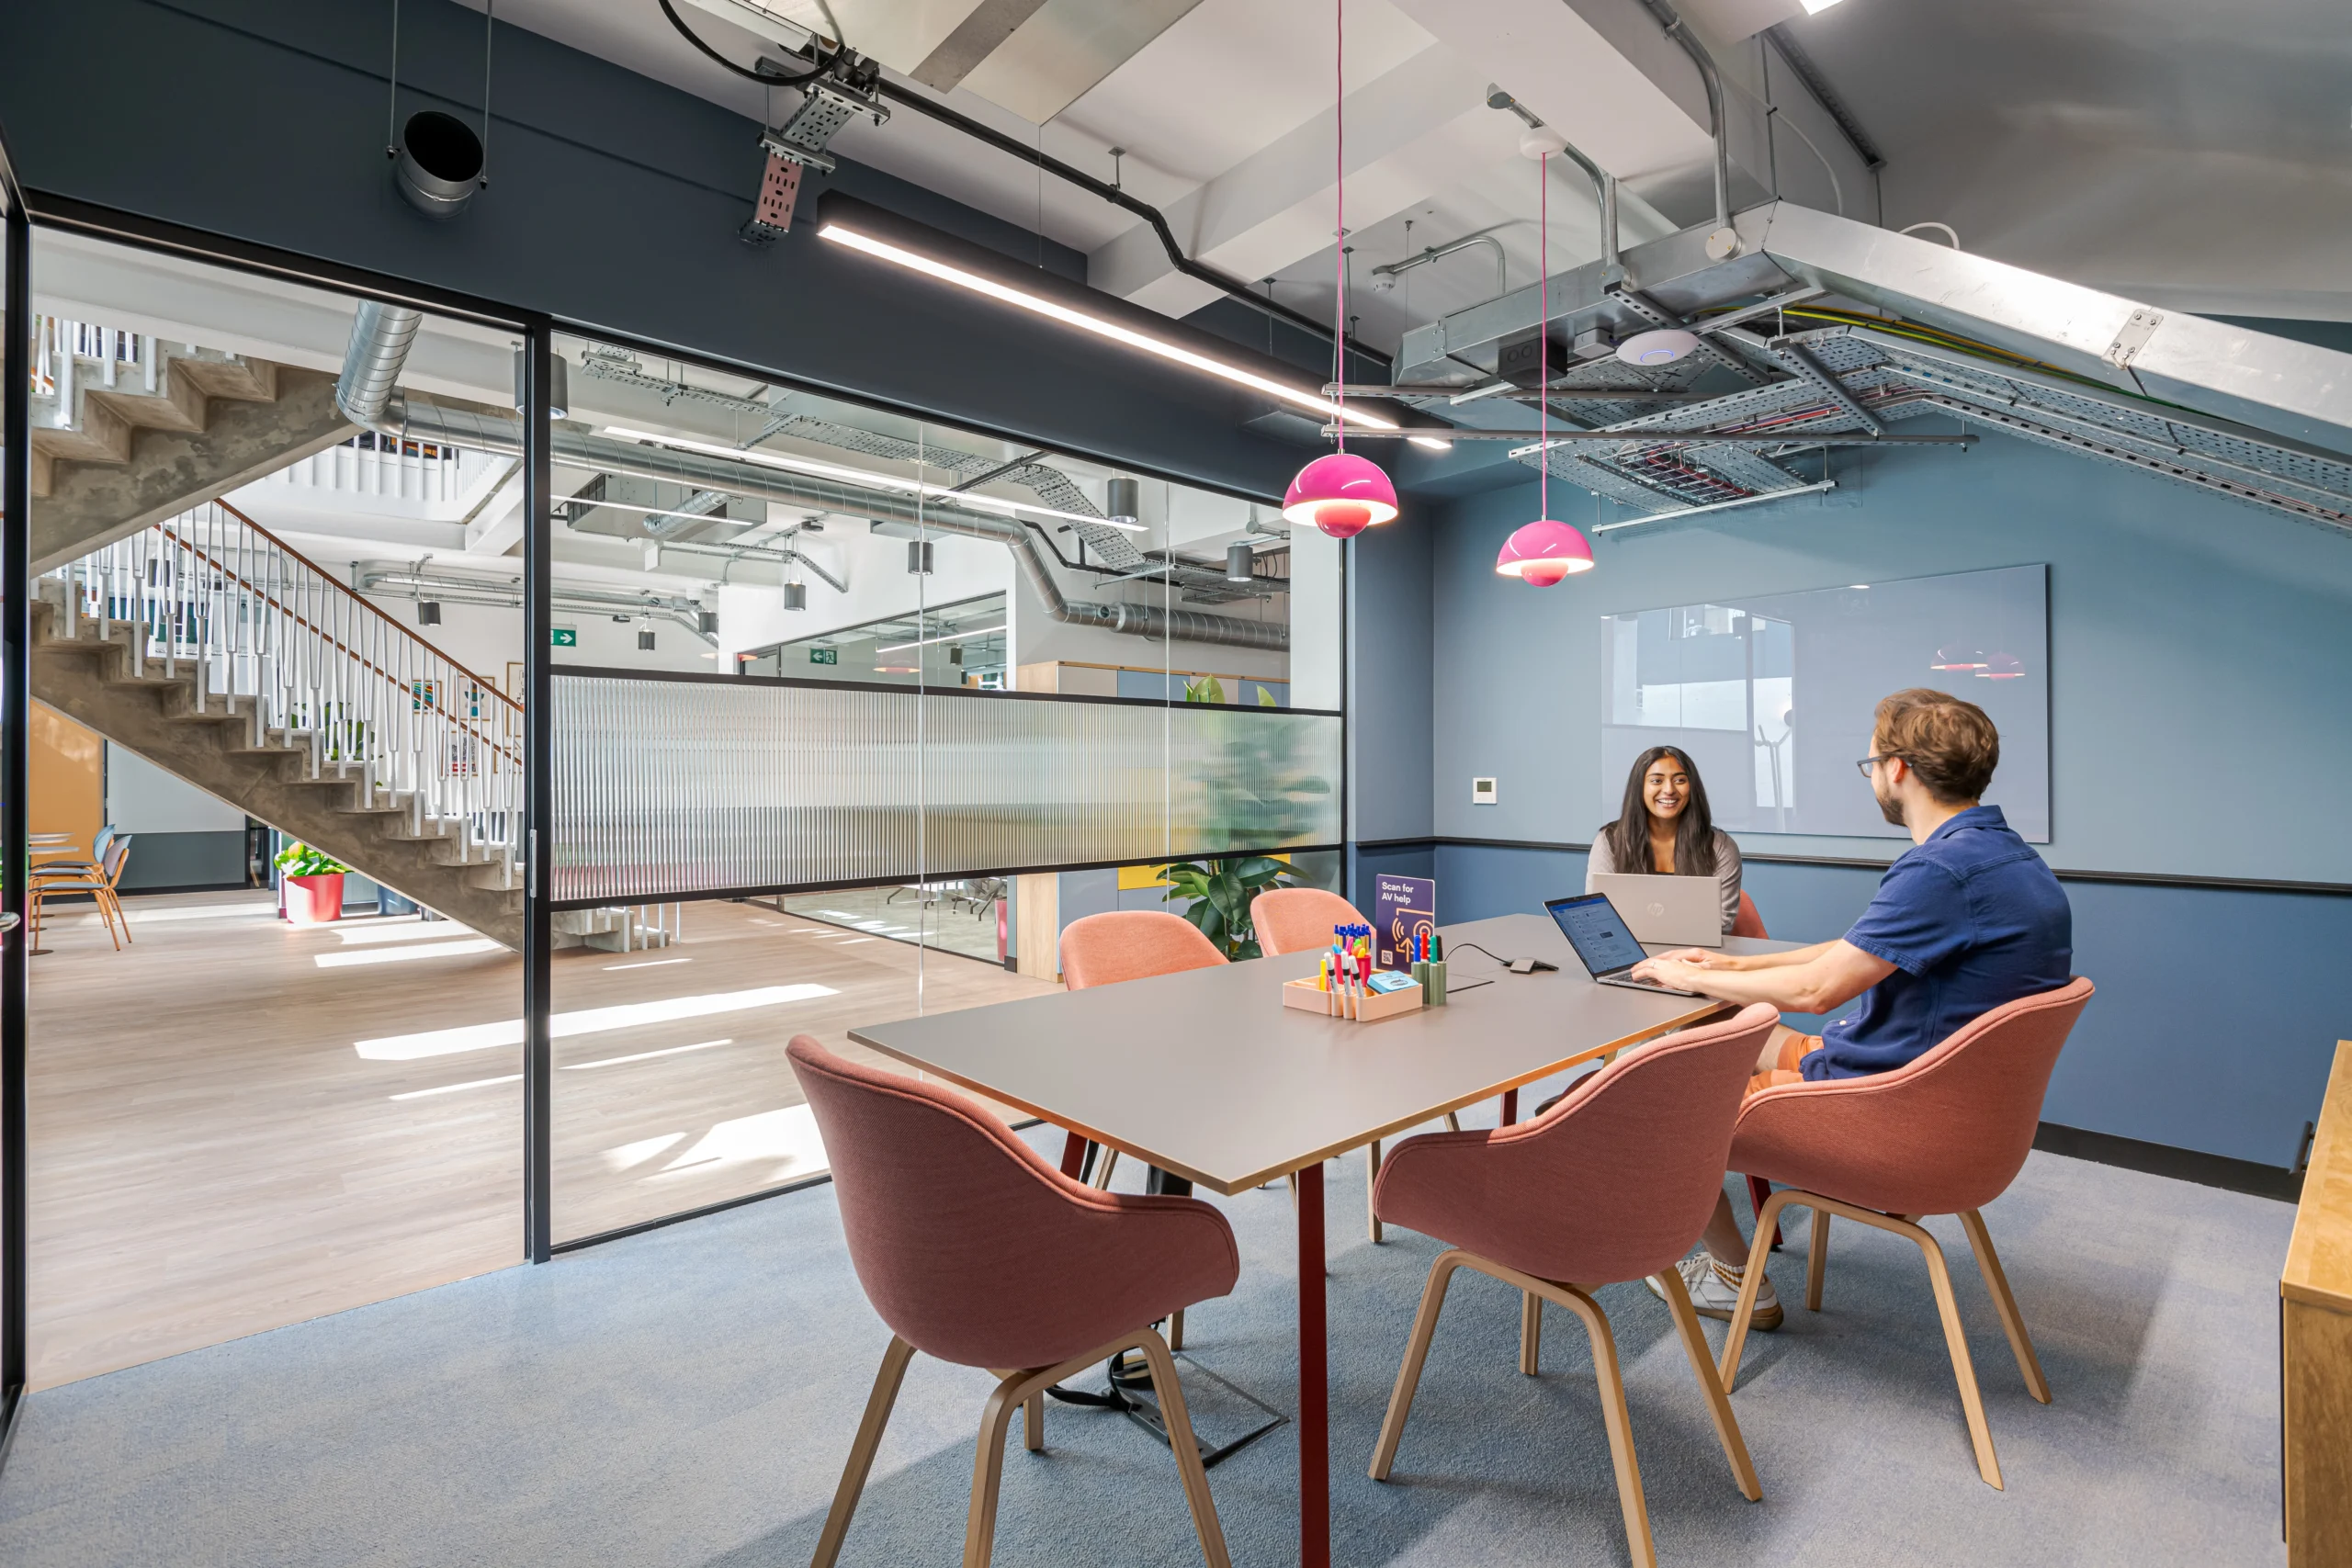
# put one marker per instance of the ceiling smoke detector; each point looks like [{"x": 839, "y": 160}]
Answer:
[{"x": 1663, "y": 347}]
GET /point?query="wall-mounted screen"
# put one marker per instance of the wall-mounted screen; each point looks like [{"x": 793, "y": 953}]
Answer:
[{"x": 1772, "y": 696}]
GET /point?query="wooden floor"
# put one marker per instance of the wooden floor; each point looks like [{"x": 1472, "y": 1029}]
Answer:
[{"x": 238, "y": 1124}]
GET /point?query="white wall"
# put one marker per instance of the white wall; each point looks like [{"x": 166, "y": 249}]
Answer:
[
  {"x": 145, "y": 798},
  {"x": 875, "y": 567}
]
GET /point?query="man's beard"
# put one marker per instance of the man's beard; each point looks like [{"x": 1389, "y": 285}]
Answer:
[{"x": 1890, "y": 807}]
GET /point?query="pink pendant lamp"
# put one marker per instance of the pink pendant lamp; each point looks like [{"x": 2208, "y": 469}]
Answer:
[
  {"x": 1341, "y": 493},
  {"x": 1545, "y": 550}
]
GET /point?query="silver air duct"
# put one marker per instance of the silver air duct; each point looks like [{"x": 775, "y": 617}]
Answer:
[{"x": 380, "y": 335}]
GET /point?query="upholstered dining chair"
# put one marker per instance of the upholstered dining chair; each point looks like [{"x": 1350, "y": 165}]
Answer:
[
  {"x": 973, "y": 1249},
  {"x": 1944, "y": 1136},
  {"x": 1301, "y": 919},
  {"x": 1615, "y": 1182},
  {"x": 1126, "y": 944}
]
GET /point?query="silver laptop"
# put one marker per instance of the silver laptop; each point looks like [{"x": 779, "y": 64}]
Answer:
[
  {"x": 1602, "y": 942},
  {"x": 1680, "y": 911}
]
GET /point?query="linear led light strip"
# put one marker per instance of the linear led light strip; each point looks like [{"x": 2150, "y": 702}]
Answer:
[
  {"x": 816, "y": 470},
  {"x": 951, "y": 636},
  {"x": 842, "y": 235}
]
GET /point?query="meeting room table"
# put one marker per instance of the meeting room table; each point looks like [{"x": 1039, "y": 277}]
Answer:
[{"x": 1207, "y": 1075}]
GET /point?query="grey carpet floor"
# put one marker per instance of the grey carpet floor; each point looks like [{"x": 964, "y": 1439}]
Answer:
[{"x": 685, "y": 1398}]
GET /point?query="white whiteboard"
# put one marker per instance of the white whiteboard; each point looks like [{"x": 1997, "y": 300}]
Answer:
[{"x": 1772, "y": 696}]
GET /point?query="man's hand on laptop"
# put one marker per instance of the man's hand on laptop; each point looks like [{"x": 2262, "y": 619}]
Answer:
[{"x": 1677, "y": 970}]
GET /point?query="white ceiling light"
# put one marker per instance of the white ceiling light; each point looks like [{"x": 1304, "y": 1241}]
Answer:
[
  {"x": 816, "y": 470},
  {"x": 1431, "y": 442},
  {"x": 1663, "y": 347},
  {"x": 1815, "y": 7},
  {"x": 951, "y": 636},
  {"x": 1054, "y": 310}
]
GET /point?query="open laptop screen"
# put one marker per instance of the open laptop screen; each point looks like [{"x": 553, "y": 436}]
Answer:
[{"x": 1592, "y": 927}]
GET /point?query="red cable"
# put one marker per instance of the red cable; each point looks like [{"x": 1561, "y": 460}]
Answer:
[
  {"x": 1543, "y": 334},
  {"x": 1339, "y": 202}
]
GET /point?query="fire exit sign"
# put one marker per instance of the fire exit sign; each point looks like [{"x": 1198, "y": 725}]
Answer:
[
  {"x": 563, "y": 636},
  {"x": 824, "y": 656}
]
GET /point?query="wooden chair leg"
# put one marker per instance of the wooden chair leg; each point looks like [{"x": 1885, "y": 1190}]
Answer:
[
  {"x": 1179, "y": 1422},
  {"x": 1751, "y": 1284},
  {"x": 1611, "y": 1383},
  {"x": 1176, "y": 1329},
  {"x": 1963, "y": 1370},
  {"x": 987, "y": 1471},
  {"x": 1816, "y": 1259},
  {"x": 1102, "y": 1171},
  {"x": 861, "y": 1451},
  {"x": 116, "y": 899},
  {"x": 1531, "y": 1332},
  {"x": 1757, "y": 1191},
  {"x": 1417, "y": 1350},
  {"x": 1371, "y": 1186},
  {"x": 1453, "y": 1122},
  {"x": 1702, "y": 1365},
  {"x": 1989, "y": 1263},
  {"x": 1033, "y": 1424}
]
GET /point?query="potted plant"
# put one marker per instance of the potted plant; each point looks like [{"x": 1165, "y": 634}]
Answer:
[
  {"x": 313, "y": 884},
  {"x": 1222, "y": 892}
]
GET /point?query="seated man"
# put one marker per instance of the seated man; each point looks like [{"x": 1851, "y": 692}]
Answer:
[{"x": 1968, "y": 919}]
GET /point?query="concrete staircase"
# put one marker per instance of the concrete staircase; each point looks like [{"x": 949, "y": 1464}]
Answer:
[
  {"x": 209, "y": 648},
  {"x": 222, "y": 747},
  {"x": 129, "y": 430}
]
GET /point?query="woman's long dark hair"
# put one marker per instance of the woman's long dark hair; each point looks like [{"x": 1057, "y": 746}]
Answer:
[{"x": 1694, "y": 830}]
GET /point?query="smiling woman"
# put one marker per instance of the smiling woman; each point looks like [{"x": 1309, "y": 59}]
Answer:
[{"x": 1666, "y": 829}]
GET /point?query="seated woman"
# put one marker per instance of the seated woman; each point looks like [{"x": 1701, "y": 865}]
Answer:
[{"x": 1665, "y": 830}]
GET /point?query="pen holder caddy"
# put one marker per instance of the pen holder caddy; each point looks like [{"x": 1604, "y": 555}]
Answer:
[
  {"x": 1366, "y": 1007},
  {"x": 1433, "y": 978}
]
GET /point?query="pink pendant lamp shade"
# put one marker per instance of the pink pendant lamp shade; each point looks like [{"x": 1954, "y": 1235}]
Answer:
[
  {"x": 1543, "y": 552},
  {"x": 1546, "y": 550},
  {"x": 1342, "y": 494}
]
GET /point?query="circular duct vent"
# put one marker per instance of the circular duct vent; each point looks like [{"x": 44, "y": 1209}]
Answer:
[{"x": 439, "y": 167}]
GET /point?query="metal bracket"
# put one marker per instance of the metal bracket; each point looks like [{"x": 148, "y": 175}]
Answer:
[
  {"x": 1793, "y": 355},
  {"x": 2132, "y": 337}
]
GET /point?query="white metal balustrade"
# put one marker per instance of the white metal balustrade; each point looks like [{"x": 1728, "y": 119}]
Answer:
[{"x": 261, "y": 630}]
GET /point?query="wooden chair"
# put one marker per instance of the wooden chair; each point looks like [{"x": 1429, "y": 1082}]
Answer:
[
  {"x": 974, "y": 1250},
  {"x": 47, "y": 881},
  {"x": 1944, "y": 1136},
  {"x": 1615, "y": 1182},
  {"x": 1748, "y": 922}
]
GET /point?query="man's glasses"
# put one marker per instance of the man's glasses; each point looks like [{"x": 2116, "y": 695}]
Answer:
[{"x": 1864, "y": 765}]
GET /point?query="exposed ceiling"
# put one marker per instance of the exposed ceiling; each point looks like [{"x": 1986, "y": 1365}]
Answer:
[{"x": 2191, "y": 155}]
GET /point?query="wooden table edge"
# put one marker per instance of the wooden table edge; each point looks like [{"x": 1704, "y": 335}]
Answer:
[
  {"x": 2331, "y": 1152},
  {"x": 1329, "y": 1151}
]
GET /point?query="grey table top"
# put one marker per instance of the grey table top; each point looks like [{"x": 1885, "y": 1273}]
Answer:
[{"x": 1207, "y": 1075}]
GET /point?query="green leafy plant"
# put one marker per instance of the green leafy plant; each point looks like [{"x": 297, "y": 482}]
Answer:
[
  {"x": 298, "y": 859},
  {"x": 1207, "y": 689},
  {"x": 1222, "y": 892}
]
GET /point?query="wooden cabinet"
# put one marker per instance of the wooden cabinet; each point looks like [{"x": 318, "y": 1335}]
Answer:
[{"x": 2315, "y": 1341}]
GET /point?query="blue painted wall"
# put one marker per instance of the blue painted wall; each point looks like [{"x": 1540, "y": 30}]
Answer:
[{"x": 2198, "y": 652}]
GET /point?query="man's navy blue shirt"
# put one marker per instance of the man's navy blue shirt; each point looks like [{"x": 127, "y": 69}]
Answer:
[{"x": 1970, "y": 919}]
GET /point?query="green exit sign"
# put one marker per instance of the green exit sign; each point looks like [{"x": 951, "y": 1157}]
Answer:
[
  {"x": 824, "y": 656},
  {"x": 563, "y": 636}
]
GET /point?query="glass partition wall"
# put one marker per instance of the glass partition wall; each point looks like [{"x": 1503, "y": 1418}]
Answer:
[
  {"x": 276, "y": 799},
  {"x": 852, "y": 713}
]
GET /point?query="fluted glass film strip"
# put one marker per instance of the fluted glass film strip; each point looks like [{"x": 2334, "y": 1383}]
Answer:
[{"x": 684, "y": 787}]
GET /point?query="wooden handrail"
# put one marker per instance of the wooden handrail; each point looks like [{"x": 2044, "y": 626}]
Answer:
[
  {"x": 470, "y": 723},
  {"x": 362, "y": 600}
]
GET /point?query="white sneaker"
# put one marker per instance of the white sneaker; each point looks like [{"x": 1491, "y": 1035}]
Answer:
[{"x": 1715, "y": 1292}]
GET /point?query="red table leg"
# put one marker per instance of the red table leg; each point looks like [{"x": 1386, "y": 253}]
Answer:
[
  {"x": 1073, "y": 1155},
  {"x": 1510, "y": 1107},
  {"x": 1314, "y": 1380}
]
